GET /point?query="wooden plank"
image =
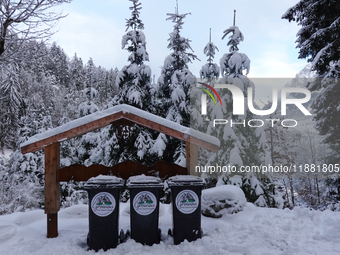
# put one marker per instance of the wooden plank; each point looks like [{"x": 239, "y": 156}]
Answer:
[
  {"x": 52, "y": 188},
  {"x": 124, "y": 170},
  {"x": 113, "y": 119}
]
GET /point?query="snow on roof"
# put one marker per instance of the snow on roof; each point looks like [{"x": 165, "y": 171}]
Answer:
[{"x": 125, "y": 109}]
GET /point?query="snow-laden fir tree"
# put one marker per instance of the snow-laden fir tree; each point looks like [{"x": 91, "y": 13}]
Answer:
[
  {"x": 11, "y": 102},
  {"x": 134, "y": 80},
  {"x": 24, "y": 183},
  {"x": 210, "y": 71},
  {"x": 173, "y": 93},
  {"x": 134, "y": 88},
  {"x": 318, "y": 40},
  {"x": 241, "y": 145}
]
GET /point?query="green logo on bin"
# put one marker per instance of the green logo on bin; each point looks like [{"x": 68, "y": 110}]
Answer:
[
  {"x": 144, "y": 203},
  {"x": 187, "y": 201},
  {"x": 103, "y": 204}
]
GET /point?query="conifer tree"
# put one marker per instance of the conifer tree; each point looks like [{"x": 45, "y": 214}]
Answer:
[
  {"x": 24, "y": 184},
  {"x": 11, "y": 103},
  {"x": 134, "y": 87},
  {"x": 318, "y": 41},
  {"x": 210, "y": 71},
  {"x": 134, "y": 80},
  {"x": 173, "y": 92},
  {"x": 241, "y": 144}
]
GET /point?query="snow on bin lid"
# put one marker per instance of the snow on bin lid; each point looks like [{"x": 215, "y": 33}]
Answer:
[
  {"x": 143, "y": 180},
  {"x": 179, "y": 180},
  {"x": 104, "y": 180}
]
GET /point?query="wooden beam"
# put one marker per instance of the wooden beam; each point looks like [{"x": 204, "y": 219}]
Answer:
[
  {"x": 52, "y": 225},
  {"x": 123, "y": 169},
  {"x": 115, "y": 118},
  {"x": 192, "y": 158},
  {"x": 187, "y": 153},
  {"x": 52, "y": 188}
]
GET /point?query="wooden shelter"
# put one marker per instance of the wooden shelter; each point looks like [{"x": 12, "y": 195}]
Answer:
[{"x": 117, "y": 115}]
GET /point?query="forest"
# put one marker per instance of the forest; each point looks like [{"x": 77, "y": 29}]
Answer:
[{"x": 42, "y": 88}]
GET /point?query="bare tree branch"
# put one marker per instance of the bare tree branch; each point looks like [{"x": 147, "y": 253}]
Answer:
[{"x": 24, "y": 20}]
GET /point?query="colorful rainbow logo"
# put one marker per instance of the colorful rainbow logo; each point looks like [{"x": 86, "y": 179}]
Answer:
[{"x": 213, "y": 90}]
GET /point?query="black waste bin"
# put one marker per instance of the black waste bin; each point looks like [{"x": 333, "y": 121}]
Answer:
[
  {"x": 186, "y": 206},
  {"x": 104, "y": 194},
  {"x": 144, "y": 208}
]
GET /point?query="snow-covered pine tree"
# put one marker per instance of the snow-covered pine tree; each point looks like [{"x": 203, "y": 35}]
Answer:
[
  {"x": 11, "y": 103},
  {"x": 90, "y": 93},
  {"x": 318, "y": 40},
  {"x": 210, "y": 71},
  {"x": 77, "y": 73},
  {"x": 134, "y": 88},
  {"x": 134, "y": 80},
  {"x": 173, "y": 92},
  {"x": 24, "y": 184},
  {"x": 57, "y": 65},
  {"x": 241, "y": 145}
]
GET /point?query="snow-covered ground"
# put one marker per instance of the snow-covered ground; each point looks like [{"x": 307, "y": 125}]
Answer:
[{"x": 252, "y": 231}]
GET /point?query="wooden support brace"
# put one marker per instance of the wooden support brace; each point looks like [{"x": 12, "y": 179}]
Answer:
[
  {"x": 191, "y": 158},
  {"x": 52, "y": 188}
]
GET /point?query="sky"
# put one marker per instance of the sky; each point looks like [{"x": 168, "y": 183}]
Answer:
[{"x": 95, "y": 29}]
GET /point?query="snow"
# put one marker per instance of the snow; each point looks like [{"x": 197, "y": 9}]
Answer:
[
  {"x": 125, "y": 109},
  {"x": 143, "y": 178},
  {"x": 252, "y": 231},
  {"x": 231, "y": 195},
  {"x": 104, "y": 179},
  {"x": 139, "y": 180},
  {"x": 181, "y": 180}
]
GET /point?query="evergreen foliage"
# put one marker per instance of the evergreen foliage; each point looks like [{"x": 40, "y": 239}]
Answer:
[
  {"x": 319, "y": 43},
  {"x": 210, "y": 71},
  {"x": 241, "y": 144},
  {"x": 174, "y": 86},
  {"x": 318, "y": 40}
]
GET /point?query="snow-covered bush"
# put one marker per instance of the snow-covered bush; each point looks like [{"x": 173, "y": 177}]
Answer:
[
  {"x": 224, "y": 199},
  {"x": 72, "y": 193}
]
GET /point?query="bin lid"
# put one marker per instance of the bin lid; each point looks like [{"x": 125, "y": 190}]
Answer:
[
  {"x": 185, "y": 180},
  {"x": 104, "y": 181},
  {"x": 144, "y": 181}
]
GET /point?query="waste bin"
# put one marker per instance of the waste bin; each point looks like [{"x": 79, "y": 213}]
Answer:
[
  {"x": 186, "y": 206},
  {"x": 104, "y": 193},
  {"x": 144, "y": 208}
]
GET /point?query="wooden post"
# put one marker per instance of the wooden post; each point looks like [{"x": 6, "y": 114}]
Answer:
[
  {"x": 192, "y": 158},
  {"x": 52, "y": 188}
]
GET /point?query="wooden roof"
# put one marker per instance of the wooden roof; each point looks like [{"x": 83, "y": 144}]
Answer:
[{"x": 120, "y": 114}]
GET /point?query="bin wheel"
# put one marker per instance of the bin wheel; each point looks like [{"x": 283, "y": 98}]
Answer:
[
  {"x": 202, "y": 233},
  {"x": 122, "y": 237},
  {"x": 159, "y": 234},
  {"x": 128, "y": 234},
  {"x": 88, "y": 239},
  {"x": 169, "y": 232}
]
